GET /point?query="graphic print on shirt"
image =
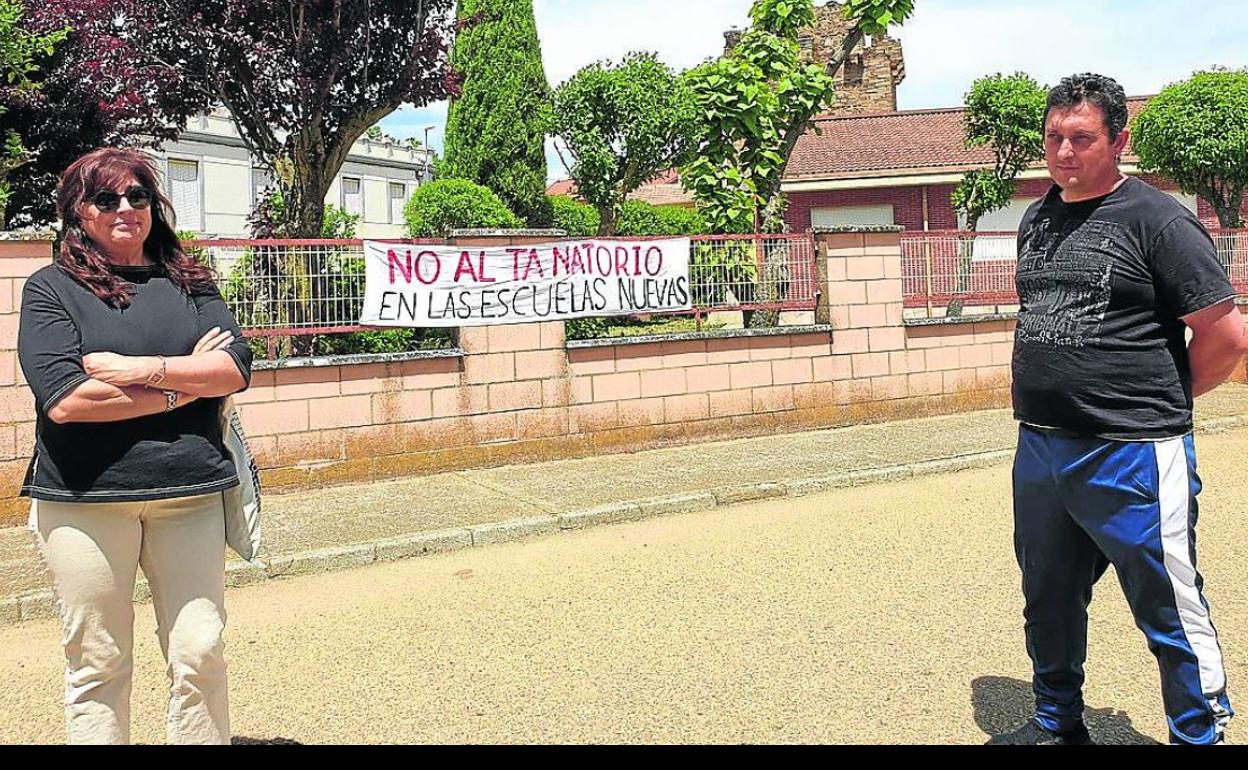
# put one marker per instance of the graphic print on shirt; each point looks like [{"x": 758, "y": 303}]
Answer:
[{"x": 1065, "y": 280}]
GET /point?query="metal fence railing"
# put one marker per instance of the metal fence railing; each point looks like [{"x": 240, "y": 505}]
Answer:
[
  {"x": 954, "y": 269},
  {"x": 280, "y": 288},
  {"x": 1232, "y": 248},
  {"x": 289, "y": 286},
  {"x": 769, "y": 271},
  {"x": 949, "y": 271}
]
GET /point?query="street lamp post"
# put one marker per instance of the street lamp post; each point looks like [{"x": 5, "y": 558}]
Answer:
[{"x": 427, "y": 150}]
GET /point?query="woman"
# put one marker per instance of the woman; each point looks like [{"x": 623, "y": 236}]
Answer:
[{"x": 129, "y": 349}]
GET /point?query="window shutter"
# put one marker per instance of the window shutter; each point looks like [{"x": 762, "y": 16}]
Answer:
[{"x": 184, "y": 191}]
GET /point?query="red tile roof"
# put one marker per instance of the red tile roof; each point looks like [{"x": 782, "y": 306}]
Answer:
[
  {"x": 663, "y": 194},
  {"x": 663, "y": 190},
  {"x": 906, "y": 142}
]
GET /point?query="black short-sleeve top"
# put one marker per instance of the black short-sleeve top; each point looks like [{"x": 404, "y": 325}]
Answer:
[
  {"x": 175, "y": 454},
  {"x": 1103, "y": 284}
]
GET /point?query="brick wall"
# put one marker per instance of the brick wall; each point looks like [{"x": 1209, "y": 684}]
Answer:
[
  {"x": 18, "y": 260},
  {"x": 868, "y": 80},
  {"x": 521, "y": 393},
  {"x": 880, "y": 359}
]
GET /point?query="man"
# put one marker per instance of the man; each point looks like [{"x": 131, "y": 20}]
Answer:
[{"x": 1112, "y": 274}]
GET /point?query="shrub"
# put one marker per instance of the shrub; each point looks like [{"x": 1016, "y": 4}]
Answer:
[
  {"x": 577, "y": 219},
  {"x": 639, "y": 218},
  {"x": 338, "y": 222},
  {"x": 590, "y": 328},
  {"x": 381, "y": 341},
  {"x": 447, "y": 204}
]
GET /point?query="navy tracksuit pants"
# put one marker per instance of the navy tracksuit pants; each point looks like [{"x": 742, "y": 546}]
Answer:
[{"x": 1081, "y": 504}]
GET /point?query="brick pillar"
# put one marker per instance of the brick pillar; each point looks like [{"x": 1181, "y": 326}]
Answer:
[
  {"x": 19, "y": 259},
  {"x": 518, "y": 373},
  {"x": 863, "y": 296}
]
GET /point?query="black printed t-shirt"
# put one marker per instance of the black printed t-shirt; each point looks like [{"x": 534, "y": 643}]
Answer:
[
  {"x": 174, "y": 454},
  {"x": 1100, "y": 349}
]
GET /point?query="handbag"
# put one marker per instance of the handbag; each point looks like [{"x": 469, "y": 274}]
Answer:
[{"x": 242, "y": 503}]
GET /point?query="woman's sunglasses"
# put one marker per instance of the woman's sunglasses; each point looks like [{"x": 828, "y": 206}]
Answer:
[{"x": 109, "y": 201}]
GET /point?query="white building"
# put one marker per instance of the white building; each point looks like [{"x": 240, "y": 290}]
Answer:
[{"x": 214, "y": 183}]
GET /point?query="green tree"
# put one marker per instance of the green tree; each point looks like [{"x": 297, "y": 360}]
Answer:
[
  {"x": 496, "y": 127},
  {"x": 757, "y": 101},
  {"x": 1006, "y": 114},
  {"x": 623, "y": 125},
  {"x": 18, "y": 50},
  {"x": 1196, "y": 133}
]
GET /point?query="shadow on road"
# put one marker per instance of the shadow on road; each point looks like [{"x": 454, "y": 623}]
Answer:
[
  {"x": 1002, "y": 704},
  {"x": 243, "y": 740}
]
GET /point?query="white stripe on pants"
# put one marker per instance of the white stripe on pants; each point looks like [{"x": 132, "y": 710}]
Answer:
[{"x": 92, "y": 551}]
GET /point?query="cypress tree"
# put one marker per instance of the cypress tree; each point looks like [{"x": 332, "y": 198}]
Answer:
[{"x": 496, "y": 129}]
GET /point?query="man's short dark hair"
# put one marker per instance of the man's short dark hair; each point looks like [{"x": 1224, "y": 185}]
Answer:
[{"x": 1097, "y": 90}]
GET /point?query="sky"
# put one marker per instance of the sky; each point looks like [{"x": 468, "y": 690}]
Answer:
[{"x": 1144, "y": 44}]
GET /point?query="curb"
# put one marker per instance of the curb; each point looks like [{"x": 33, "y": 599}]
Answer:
[{"x": 41, "y": 605}]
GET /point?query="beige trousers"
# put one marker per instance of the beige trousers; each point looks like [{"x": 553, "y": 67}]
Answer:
[{"x": 92, "y": 551}]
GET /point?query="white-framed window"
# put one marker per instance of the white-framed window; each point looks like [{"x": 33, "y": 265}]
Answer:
[
  {"x": 184, "y": 191},
  {"x": 353, "y": 195},
  {"x": 398, "y": 198},
  {"x": 846, "y": 216},
  {"x": 1004, "y": 220},
  {"x": 261, "y": 180}
]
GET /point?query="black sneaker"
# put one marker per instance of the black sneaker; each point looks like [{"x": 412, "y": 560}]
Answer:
[{"x": 1032, "y": 734}]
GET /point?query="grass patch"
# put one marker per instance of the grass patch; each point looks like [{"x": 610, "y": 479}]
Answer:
[{"x": 602, "y": 328}]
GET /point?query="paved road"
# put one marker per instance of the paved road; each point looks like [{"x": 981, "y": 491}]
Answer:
[{"x": 880, "y": 614}]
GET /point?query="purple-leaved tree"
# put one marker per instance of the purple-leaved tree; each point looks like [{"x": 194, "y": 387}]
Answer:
[
  {"x": 93, "y": 89},
  {"x": 303, "y": 79}
]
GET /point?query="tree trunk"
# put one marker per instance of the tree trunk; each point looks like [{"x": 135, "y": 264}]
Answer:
[
  {"x": 305, "y": 199},
  {"x": 305, "y": 217},
  {"x": 966, "y": 257},
  {"x": 606, "y": 221},
  {"x": 1229, "y": 213}
]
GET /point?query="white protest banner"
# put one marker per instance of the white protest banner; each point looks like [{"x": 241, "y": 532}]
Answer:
[{"x": 426, "y": 285}]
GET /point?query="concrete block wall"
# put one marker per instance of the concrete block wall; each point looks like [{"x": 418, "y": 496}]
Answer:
[
  {"x": 881, "y": 359},
  {"x": 19, "y": 259},
  {"x": 522, "y": 393}
]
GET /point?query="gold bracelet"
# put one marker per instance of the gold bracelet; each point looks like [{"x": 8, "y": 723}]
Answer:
[
  {"x": 171, "y": 400},
  {"x": 157, "y": 377}
]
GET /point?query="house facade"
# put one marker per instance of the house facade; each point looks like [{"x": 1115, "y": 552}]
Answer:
[
  {"x": 901, "y": 168},
  {"x": 214, "y": 182}
]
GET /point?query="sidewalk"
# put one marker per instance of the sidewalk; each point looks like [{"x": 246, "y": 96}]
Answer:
[{"x": 348, "y": 526}]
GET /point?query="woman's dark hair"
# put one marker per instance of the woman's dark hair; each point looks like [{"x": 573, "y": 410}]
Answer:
[
  {"x": 1097, "y": 90},
  {"x": 105, "y": 169}
]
